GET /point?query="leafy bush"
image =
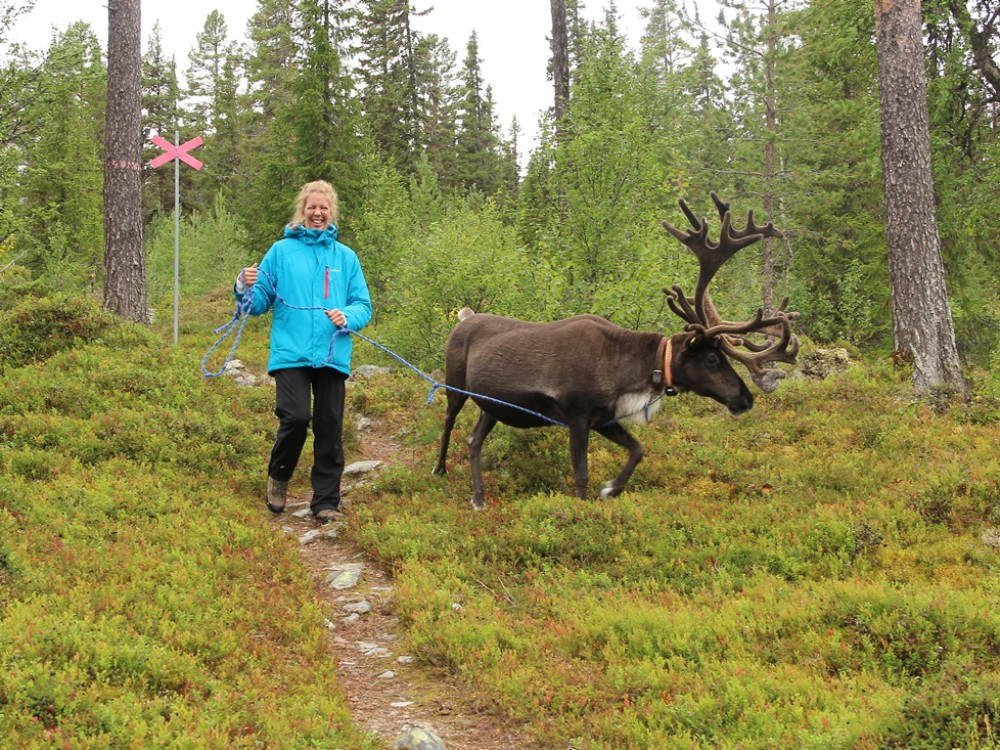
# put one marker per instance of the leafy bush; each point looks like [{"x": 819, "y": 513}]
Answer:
[
  {"x": 141, "y": 604},
  {"x": 36, "y": 328},
  {"x": 213, "y": 247}
]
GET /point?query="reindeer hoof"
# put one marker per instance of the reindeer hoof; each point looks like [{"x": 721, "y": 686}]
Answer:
[
  {"x": 478, "y": 504},
  {"x": 609, "y": 489}
]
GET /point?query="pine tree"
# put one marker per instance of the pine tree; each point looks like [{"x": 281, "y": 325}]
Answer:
[
  {"x": 124, "y": 262},
  {"x": 324, "y": 120},
  {"x": 388, "y": 72},
  {"x": 212, "y": 77},
  {"x": 438, "y": 97},
  {"x": 268, "y": 173},
  {"x": 922, "y": 320}
]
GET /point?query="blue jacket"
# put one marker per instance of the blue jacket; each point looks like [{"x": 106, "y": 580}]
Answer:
[{"x": 302, "y": 275}]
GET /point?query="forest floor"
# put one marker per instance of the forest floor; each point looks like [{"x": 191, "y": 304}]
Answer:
[{"x": 390, "y": 692}]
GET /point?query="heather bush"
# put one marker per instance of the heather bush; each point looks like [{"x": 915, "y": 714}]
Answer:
[{"x": 142, "y": 601}]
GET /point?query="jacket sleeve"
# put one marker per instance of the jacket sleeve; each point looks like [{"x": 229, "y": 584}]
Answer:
[
  {"x": 359, "y": 303},
  {"x": 265, "y": 290}
]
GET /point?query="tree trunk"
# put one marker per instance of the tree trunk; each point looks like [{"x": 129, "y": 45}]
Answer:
[
  {"x": 922, "y": 320},
  {"x": 560, "y": 59},
  {"x": 770, "y": 125},
  {"x": 124, "y": 264}
]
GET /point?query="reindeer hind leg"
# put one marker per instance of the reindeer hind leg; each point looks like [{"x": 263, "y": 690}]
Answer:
[
  {"x": 480, "y": 432},
  {"x": 455, "y": 403}
]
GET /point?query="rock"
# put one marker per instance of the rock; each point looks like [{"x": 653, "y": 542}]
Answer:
[
  {"x": 345, "y": 578},
  {"x": 419, "y": 739},
  {"x": 310, "y": 536},
  {"x": 991, "y": 538},
  {"x": 822, "y": 363},
  {"x": 361, "y": 467},
  {"x": 373, "y": 649},
  {"x": 368, "y": 371},
  {"x": 360, "y": 608}
]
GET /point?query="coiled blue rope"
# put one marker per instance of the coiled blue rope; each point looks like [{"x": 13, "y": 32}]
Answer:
[{"x": 242, "y": 311}]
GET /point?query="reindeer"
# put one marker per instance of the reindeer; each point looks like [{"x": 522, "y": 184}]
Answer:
[{"x": 589, "y": 374}]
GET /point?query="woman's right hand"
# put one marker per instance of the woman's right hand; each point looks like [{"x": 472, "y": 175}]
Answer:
[{"x": 250, "y": 275}]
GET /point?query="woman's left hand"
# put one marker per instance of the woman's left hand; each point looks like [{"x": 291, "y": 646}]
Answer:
[{"x": 337, "y": 318}]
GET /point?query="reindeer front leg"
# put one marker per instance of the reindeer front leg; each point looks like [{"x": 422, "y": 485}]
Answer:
[
  {"x": 618, "y": 434},
  {"x": 579, "y": 440}
]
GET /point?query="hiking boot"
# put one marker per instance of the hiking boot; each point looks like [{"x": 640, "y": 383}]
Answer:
[
  {"x": 326, "y": 515},
  {"x": 276, "y": 493}
]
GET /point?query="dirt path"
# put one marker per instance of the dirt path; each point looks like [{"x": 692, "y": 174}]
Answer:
[{"x": 390, "y": 691}]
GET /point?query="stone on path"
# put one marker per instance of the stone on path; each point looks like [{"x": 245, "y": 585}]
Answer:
[
  {"x": 344, "y": 578},
  {"x": 361, "y": 467},
  {"x": 419, "y": 739}
]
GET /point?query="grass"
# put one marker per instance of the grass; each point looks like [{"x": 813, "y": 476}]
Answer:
[{"x": 812, "y": 574}]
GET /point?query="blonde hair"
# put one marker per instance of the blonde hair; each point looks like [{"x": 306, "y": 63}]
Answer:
[{"x": 316, "y": 186}]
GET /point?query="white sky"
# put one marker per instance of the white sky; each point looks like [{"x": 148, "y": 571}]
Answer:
[{"x": 512, "y": 35}]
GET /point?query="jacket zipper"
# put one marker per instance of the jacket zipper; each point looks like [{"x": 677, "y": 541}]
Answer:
[{"x": 326, "y": 283}]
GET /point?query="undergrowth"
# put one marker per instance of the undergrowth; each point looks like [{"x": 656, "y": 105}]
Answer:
[
  {"x": 143, "y": 601},
  {"x": 817, "y": 573}
]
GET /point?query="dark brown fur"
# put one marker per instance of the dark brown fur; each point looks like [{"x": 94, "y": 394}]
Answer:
[{"x": 583, "y": 372}]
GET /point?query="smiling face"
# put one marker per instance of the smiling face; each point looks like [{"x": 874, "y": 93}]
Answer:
[
  {"x": 315, "y": 206},
  {"x": 318, "y": 211}
]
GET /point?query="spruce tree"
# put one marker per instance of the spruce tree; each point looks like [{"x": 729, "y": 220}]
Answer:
[{"x": 60, "y": 175}]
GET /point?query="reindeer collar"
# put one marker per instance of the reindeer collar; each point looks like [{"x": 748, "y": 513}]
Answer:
[{"x": 663, "y": 376}]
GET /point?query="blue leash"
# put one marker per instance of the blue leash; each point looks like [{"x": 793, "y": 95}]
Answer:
[
  {"x": 242, "y": 311},
  {"x": 246, "y": 302},
  {"x": 242, "y": 308}
]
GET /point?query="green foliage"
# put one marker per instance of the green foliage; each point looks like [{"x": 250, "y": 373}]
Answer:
[
  {"x": 142, "y": 602},
  {"x": 604, "y": 240},
  {"x": 213, "y": 248},
  {"x": 468, "y": 259},
  {"x": 782, "y": 578},
  {"x": 34, "y": 328},
  {"x": 56, "y": 198}
]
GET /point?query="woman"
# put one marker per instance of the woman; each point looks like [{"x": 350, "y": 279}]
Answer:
[{"x": 315, "y": 285}]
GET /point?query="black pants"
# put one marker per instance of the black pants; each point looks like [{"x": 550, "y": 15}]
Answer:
[{"x": 296, "y": 388}]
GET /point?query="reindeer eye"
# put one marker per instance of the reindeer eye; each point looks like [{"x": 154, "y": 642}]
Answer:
[{"x": 713, "y": 360}]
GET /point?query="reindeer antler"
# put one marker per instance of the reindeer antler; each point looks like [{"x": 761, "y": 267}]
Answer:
[{"x": 704, "y": 318}]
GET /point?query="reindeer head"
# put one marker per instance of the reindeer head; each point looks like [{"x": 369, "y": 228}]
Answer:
[{"x": 702, "y": 317}]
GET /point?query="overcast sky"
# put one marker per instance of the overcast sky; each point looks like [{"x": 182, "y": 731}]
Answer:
[{"x": 513, "y": 37}]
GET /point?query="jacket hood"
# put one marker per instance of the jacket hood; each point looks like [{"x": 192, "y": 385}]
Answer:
[{"x": 312, "y": 236}]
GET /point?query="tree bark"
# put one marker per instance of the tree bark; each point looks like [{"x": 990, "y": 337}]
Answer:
[
  {"x": 124, "y": 262},
  {"x": 560, "y": 59},
  {"x": 922, "y": 321},
  {"x": 770, "y": 125}
]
